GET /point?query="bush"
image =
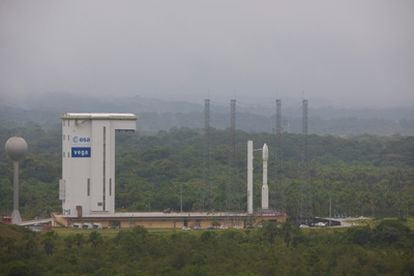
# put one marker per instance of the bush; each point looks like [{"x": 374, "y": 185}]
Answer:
[
  {"x": 19, "y": 268},
  {"x": 270, "y": 230},
  {"x": 208, "y": 236},
  {"x": 360, "y": 236},
  {"x": 95, "y": 238},
  {"x": 391, "y": 232}
]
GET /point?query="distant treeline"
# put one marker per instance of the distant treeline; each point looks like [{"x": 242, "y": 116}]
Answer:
[
  {"x": 179, "y": 115},
  {"x": 364, "y": 175}
]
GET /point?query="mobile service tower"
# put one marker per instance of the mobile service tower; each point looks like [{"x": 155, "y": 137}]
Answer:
[{"x": 87, "y": 187}]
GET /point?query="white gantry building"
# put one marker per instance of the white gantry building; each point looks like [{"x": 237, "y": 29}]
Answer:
[{"x": 87, "y": 187}]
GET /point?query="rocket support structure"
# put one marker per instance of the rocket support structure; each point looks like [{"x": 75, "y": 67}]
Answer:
[
  {"x": 250, "y": 177},
  {"x": 265, "y": 187}
]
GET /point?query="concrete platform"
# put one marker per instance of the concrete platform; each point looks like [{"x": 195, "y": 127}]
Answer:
[{"x": 173, "y": 220}]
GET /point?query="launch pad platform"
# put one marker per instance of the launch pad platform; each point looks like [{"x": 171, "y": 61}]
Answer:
[{"x": 172, "y": 220}]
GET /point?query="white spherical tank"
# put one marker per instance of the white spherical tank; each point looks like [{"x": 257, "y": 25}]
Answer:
[{"x": 16, "y": 148}]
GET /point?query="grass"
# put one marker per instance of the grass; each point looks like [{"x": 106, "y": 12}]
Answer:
[
  {"x": 13, "y": 231},
  {"x": 410, "y": 223},
  {"x": 374, "y": 222},
  {"x": 108, "y": 233},
  {"x": 362, "y": 222}
]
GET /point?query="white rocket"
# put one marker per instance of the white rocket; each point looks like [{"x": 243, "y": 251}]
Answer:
[{"x": 265, "y": 187}]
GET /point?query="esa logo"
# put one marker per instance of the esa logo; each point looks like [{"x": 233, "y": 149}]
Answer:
[{"x": 81, "y": 140}]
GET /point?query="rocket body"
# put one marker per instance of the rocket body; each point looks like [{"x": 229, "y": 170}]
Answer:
[{"x": 265, "y": 187}]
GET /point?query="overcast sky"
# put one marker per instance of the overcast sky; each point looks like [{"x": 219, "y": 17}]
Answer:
[{"x": 358, "y": 52}]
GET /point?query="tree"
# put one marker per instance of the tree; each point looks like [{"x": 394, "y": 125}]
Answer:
[
  {"x": 69, "y": 241},
  {"x": 360, "y": 235},
  {"x": 31, "y": 246},
  {"x": 19, "y": 268},
  {"x": 79, "y": 240},
  {"x": 270, "y": 231},
  {"x": 49, "y": 245},
  {"x": 95, "y": 238},
  {"x": 391, "y": 232},
  {"x": 289, "y": 231},
  {"x": 49, "y": 242}
]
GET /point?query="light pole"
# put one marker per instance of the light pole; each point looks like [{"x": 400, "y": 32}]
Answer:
[{"x": 181, "y": 197}]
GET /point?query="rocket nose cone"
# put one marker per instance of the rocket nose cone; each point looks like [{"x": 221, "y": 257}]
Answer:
[{"x": 265, "y": 152}]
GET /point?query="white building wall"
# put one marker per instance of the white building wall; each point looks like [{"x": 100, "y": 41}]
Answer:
[
  {"x": 79, "y": 138},
  {"x": 111, "y": 169}
]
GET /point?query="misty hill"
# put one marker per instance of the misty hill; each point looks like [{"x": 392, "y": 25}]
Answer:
[{"x": 159, "y": 114}]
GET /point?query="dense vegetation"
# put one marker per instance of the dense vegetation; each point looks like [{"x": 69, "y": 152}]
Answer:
[
  {"x": 271, "y": 250},
  {"x": 365, "y": 175}
]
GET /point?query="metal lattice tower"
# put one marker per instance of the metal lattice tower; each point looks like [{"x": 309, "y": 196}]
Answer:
[
  {"x": 231, "y": 186},
  {"x": 305, "y": 132},
  {"x": 305, "y": 117},
  {"x": 232, "y": 131},
  {"x": 278, "y": 154},
  {"x": 279, "y": 128},
  {"x": 207, "y": 196},
  {"x": 306, "y": 205}
]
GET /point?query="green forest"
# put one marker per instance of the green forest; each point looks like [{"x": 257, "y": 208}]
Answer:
[
  {"x": 362, "y": 175},
  {"x": 385, "y": 248}
]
